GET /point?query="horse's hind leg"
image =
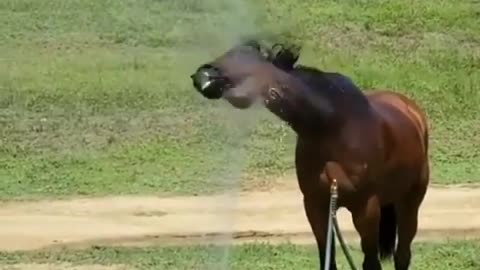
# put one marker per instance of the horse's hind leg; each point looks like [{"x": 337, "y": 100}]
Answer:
[{"x": 407, "y": 218}]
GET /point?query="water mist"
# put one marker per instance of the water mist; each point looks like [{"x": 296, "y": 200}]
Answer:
[{"x": 226, "y": 22}]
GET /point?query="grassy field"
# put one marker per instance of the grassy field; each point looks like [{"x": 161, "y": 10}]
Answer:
[
  {"x": 452, "y": 255},
  {"x": 95, "y": 97}
]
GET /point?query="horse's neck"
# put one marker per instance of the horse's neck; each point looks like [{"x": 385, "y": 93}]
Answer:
[
  {"x": 347, "y": 99},
  {"x": 302, "y": 108}
]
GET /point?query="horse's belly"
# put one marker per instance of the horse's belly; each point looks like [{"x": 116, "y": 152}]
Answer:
[{"x": 396, "y": 184}]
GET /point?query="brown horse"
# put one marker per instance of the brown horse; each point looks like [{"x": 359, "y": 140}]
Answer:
[{"x": 375, "y": 145}]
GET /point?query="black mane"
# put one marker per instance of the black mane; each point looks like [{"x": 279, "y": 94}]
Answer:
[{"x": 336, "y": 87}]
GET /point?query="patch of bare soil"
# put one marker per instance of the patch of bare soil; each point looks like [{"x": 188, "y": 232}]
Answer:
[{"x": 274, "y": 216}]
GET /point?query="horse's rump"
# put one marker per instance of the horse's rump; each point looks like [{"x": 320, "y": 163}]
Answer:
[
  {"x": 405, "y": 144},
  {"x": 405, "y": 131}
]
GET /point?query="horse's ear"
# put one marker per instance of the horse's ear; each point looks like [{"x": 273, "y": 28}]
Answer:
[
  {"x": 251, "y": 43},
  {"x": 295, "y": 50},
  {"x": 285, "y": 58}
]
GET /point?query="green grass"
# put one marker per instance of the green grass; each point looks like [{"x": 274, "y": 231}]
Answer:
[
  {"x": 95, "y": 96},
  {"x": 447, "y": 255}
]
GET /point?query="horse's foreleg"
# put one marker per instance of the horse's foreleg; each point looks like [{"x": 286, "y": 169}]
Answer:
[
  {"x": 317, "y": 215},
  {"x": 366, "y": 219},
  {"x": 407, "y": 218}
]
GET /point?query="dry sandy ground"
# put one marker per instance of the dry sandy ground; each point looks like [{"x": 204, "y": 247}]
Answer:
[{"x": 266, "y": 216}]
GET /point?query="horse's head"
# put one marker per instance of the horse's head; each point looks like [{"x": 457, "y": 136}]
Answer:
[
  {"x": 243, "y": 74},
  {"x": 234, "y": 76},
  {"x": 248, "y": 73}
]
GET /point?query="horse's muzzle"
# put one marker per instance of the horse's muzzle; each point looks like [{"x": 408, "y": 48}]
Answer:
[{"x": 209, "y": 82}]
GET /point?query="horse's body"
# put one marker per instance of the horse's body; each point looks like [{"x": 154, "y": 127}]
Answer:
[
  {"x": 379, "y": 157},
  {"x": 375, "y": 146}
]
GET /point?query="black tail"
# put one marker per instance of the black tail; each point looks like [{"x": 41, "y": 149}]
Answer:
[{"x": 388, "y": 231}]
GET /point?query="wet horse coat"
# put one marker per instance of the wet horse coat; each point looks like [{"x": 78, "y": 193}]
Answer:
[{"x": 375, "y": 145}]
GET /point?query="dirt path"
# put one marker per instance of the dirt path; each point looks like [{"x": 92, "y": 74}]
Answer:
[
  {"x": 273, "y": 216},
  {"x": 62, "y": 266}
]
